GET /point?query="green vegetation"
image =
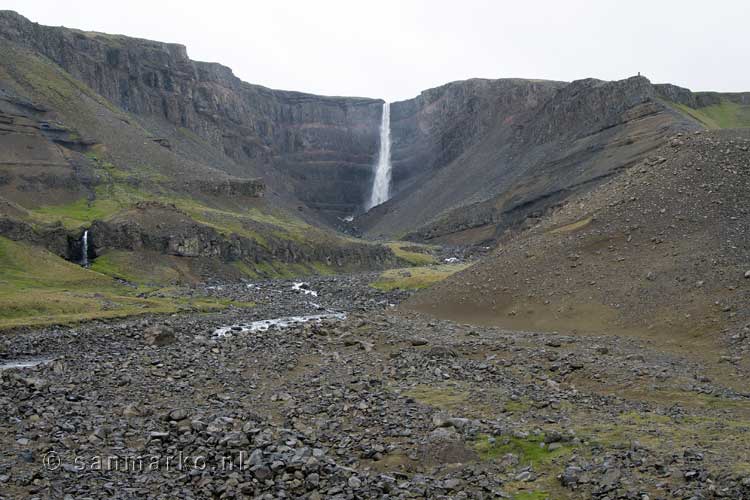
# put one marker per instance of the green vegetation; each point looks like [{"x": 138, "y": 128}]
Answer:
[
  {"x": 46, "y": 79},
  {"x": 445, "y": 398},
  {"x": 415, "y": 278},
  {"x": 530, "y": 450},
  {"x": 287, "y": 270},
  {"x": 531, "y": 495},
  {"x": 451, "y": 398},
  {"x": 109, "y": 198},
  {"x": 723, "y": 429},
  {"x": 569, "y": 228},
  {"x": 726, "y": 114},
  {"x": 76, "y": 214},
  {"x": 407, "y": 251},
  {"x": 37, "y": 288},
  {"x": 141, "y": 268},
  {"x": 519, "y": 406}
]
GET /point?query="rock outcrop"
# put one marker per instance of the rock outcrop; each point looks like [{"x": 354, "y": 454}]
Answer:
[
  {"x": 436, "y": 127},
  {"x": 167, "y": 230},
  {"x": 476, "y": 155},
  {"x": 520, "y": 147},
  {"x": 323, "y": 147}
]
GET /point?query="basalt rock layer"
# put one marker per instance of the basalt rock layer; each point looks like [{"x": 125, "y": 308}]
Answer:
[
  {"x": 92, "y": 123},
  {"x": 322, "y": 146},
  {"x": 512, "y": 149},
  {"x": 99, "y": 131}
]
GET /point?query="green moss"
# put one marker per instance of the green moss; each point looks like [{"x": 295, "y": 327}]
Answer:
[
  {"x": 455, "y": 399},
  {"x": 76, "y": 214},
  {"x": 519, "y": 406},
  {"x": 530, "y": 450},
  {"x": 140, "y": 268},
  {"x": 410, "y": 256},
  {"x": 113, "y": 195},
  {"x": 245, "y": 269},
  {"x": 321, "y": 268},
  {"x": 445, "y": 398},
  {"x": 38, "y": 288},
  {"x": 47, "y": 80},
  {"x": 726, "y": 114},
  {"x": 531, "y": 495},
  {"x": 23, "y": 267},
  {"x": 726, "y": 432},
  {"x": 415, "y": 278}
]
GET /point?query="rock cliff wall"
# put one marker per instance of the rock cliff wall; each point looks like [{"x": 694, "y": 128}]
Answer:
[{"x": 320, "y": 148}]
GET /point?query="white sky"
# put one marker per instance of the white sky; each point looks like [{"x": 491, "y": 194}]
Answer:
[{"x": 393, "y": 49}]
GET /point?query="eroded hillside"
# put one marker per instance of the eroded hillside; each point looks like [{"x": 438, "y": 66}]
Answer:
[
  {"x": 659, "y": 252},
  {"x": 129, "y": 139}
]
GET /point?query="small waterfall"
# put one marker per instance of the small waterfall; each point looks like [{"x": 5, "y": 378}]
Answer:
[
  {"x": 85, "y": 248},
  {"x": 382, "y": 184}
]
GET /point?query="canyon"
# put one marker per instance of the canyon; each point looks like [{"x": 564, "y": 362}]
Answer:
[
  {"x": 477, "y": 155},
  {"x": 507, "y": 288}
]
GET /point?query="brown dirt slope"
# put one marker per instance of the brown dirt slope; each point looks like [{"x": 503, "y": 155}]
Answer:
[{"x": 660, "y": 251}]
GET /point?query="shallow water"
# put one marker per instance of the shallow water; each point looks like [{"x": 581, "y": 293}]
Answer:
[
  {"x": 285, "y": 322},
  {"x": 23, "y": 363},
  {"x": 298, "y": 288}
]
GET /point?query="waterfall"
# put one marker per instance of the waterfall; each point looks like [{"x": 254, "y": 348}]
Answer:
[
  {"x": 85, "y": 248},
  {"x": 382, "y": 183}
]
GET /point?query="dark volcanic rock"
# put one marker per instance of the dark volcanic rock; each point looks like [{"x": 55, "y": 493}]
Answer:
[
  {"x": 522, "y": 147},
  {"x": 165, "y": 229},
  {"x": 324, "y": 146}
]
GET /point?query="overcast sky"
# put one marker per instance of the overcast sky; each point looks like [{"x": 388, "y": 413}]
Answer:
[{"x": 395, "y": 49}]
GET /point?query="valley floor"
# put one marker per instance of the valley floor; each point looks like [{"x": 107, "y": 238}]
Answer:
[{"x": 386, "y": 403}]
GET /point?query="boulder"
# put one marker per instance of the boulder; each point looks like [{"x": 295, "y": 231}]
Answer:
[{"x": 159, "y": 336}]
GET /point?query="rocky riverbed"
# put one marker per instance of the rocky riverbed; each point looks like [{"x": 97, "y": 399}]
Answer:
[{"x": 369, "y": 402}]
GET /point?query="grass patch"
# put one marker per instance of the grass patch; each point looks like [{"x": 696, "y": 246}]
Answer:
[
  {"x": 140, "y": 268},
  {"x": 726, "y": 114},
  {"x": 445, "y": 398},
  {"x": 76, "y": 214},
  {"x": 520, "y": 406},
  {"x": 531, "y": 495},
  {"x": 569, "y": 228},
  {"x": 415, "y": 278},
  {"x": 406, "y": 251},
  {"x": 108, "y": 199},
  {"x": 529, "y": 450},
  {"x": 454, "y": 400},
  {"x": 47, "y": 80},
  {"x": 38, "y": 288},
  {"x": 726, "y": 435}
]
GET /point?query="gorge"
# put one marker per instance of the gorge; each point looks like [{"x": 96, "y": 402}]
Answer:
[{"x": 499, "y": 288}]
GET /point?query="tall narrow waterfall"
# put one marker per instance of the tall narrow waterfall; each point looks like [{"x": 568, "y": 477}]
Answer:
[
  {"x": 382, "y": 185},
  {"x": 85, "y": 248}
]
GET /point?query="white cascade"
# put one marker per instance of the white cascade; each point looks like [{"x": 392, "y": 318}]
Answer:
[
  {"x": 85, "y": 248},
  {"x": 382, "y": 184}
]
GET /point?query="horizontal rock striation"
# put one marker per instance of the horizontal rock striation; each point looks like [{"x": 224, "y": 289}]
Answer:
[
  {"x": 519, "y": 148},
  {"x": 696, "y": 100},
  {"x": 436, "y": 127},
  {"x": 321, "y": 148}
]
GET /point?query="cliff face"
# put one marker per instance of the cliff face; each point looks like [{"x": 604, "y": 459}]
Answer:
[
  {"x": 319, "y": 148},
  {"x": 681, "y": 95},
  {"x": 93, "y": 125},
  {"x": 507, "y": 150},
  {"x": 476, "y": 155},
  {"x": 435, "y": 128}
]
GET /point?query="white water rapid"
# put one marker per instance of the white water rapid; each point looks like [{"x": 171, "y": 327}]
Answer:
[{"x": 382, "y": 184}]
